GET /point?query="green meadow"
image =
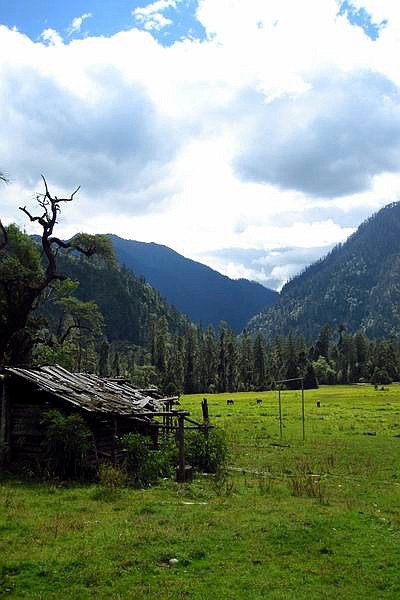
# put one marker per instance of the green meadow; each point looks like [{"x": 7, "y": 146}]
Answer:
[{"x": 290, "y": 519}]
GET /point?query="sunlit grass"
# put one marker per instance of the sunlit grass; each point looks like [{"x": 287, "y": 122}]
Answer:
[{"x": 314, "y": 519}]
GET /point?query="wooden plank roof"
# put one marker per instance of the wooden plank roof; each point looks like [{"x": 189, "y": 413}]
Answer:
[{"x": 90, "y": 392}]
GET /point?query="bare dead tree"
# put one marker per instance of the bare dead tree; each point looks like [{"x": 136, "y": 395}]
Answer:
[
  {"x": 50, "y": 244},
  {"x": 21, "y": 298}
]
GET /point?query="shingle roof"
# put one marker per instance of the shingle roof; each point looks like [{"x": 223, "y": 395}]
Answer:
[{"x": 90, "y": 392}]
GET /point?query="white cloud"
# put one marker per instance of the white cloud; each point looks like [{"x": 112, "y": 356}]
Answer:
[
  {"x": 151, "y": 17},
  {"x": 154, "y": 7},
  {"x": 254, "y": 150},
  {"x": 51, "y": 36},
  {"x": 76, "y": 23}
]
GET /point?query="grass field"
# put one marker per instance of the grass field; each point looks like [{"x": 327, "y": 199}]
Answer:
[{"x": 292, "y": 520}]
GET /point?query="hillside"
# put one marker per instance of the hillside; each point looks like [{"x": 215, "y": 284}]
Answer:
[
  {"x": 357, "y": 284},
  {"x": 203, "y": 294},
  {"x": 127, "y": 303}
]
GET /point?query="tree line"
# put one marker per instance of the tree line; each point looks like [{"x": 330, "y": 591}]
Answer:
[
  {"x": 116, "y": 325},
  {"x": 208, "y": 361}
]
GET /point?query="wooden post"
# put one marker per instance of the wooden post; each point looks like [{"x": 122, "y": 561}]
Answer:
[
  {"x": 181, "y": 470},
  {"x": 169, "y": 419},
  {"x": 280, "y": 412},
  {"x": 4, "y": 424},
  {"x": 204, "y": 408},
  {"x": 206, "y": 419}
]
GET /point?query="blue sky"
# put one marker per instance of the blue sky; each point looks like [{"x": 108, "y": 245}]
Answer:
[
  {"x": 107, "y": 17},
  {"x": 251, "y": 135}
]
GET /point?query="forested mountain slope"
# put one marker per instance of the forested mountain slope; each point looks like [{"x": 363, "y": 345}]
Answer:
[
  {"x": 127, "y": 303},
  {"x": 203, "y": 294},
  {"x": 357, "y": 285}
]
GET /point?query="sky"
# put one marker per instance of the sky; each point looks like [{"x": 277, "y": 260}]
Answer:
[{"x": 251, "y": 135}]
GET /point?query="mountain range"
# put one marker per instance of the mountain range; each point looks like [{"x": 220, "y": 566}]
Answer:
[
  {"x": 356, "y": 285},
  {"x": 204, "y": 295},
  {"x": 128, "y": 304}
]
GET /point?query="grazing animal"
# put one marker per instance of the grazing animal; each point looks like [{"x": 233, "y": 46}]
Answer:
[
  {"x": 230, "y": 401},
  {"x": 318, "y": 403},
  {"x": 258, "y": 400}
]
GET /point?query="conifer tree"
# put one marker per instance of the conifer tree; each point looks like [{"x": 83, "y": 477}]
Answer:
[{"x": 260, "y": 363}]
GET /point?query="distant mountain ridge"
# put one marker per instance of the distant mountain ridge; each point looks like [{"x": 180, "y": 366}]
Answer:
[
  {"x": 128, "y": 305},
  {"x": 357, "y": 284},
  {"x": 203, "y": 294}
]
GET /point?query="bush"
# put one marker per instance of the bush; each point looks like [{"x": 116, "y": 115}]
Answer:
[
  {"x": 111, "y": 476},
  {"x": 67, "y": 443},
  {"x": 143, "y": 463},
  {"x": 380, "y": 377},
  {"x": 206, "y": 453},
  {"x": 111, "y": 479}
]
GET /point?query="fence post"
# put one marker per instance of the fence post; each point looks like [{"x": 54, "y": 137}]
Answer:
[
  {"x": 181, "y": 470},
  {"x": 206, "y": 420}
]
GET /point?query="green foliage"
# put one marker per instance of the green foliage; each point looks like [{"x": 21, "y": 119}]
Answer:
[
  {"x": 380, "y": 377},
  {"x": 324, "y": 371},
  {"x": 25, "y": 282},
  {"x": 111, "y": 476},
  {"x": 145, "y": 376},
  {"x": 356, "y": 284},
  {"x": 144, "y": 464},
  {"x": 67, "y": 444},
  {"x": 20, "y": 271},
  {"x": 255, "y": 540},
  {"x": 104, "y": 359},
  {"x": 55, "y": 354},
  {"x": 130, "y": 307},
  {"x": 99, "y": 245},
  {"x": 23, "y": 252},
  {"x": 207, "y": 453}
]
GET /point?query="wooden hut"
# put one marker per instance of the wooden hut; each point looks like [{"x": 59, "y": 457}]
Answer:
[{"x": 110, "y": 408}]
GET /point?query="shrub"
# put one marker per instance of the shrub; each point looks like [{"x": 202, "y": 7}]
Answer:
[
  {"x": 111, "y": 479},
  {"x": 67, "y": 443},
  {"x": 111, "y": 476},
  {"x": 380, "y": 377},
  {"x": 206, "y": 453},
  {"x": 143, "y": 463}
]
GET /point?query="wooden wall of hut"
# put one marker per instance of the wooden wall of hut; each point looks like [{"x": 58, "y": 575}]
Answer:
[{"x": 26, "y": 431}]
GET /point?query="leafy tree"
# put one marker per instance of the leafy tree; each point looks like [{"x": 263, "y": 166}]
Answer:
[
  {"x": 222, "y": 359},
  {"x": 323, "y": 342},
  {"x": 22, "y": 278},
  {"x": 191, "y": 361},
  {"x": 104, "y": 358},
  {"x": 68, "y": 441},
  {"x": 20, "y": 271},
  {"x": 246, "y": 361},
  {"x": 260, "y": 363},
  {"x": 362, "y": 350},
  {"x": 310, "y": 380},
  {"x": 209, "y": 349},
  {"x": 324, "y": 371},
  {"x": 380, "y": 377},
  {"x": 292, "y": 364}
]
